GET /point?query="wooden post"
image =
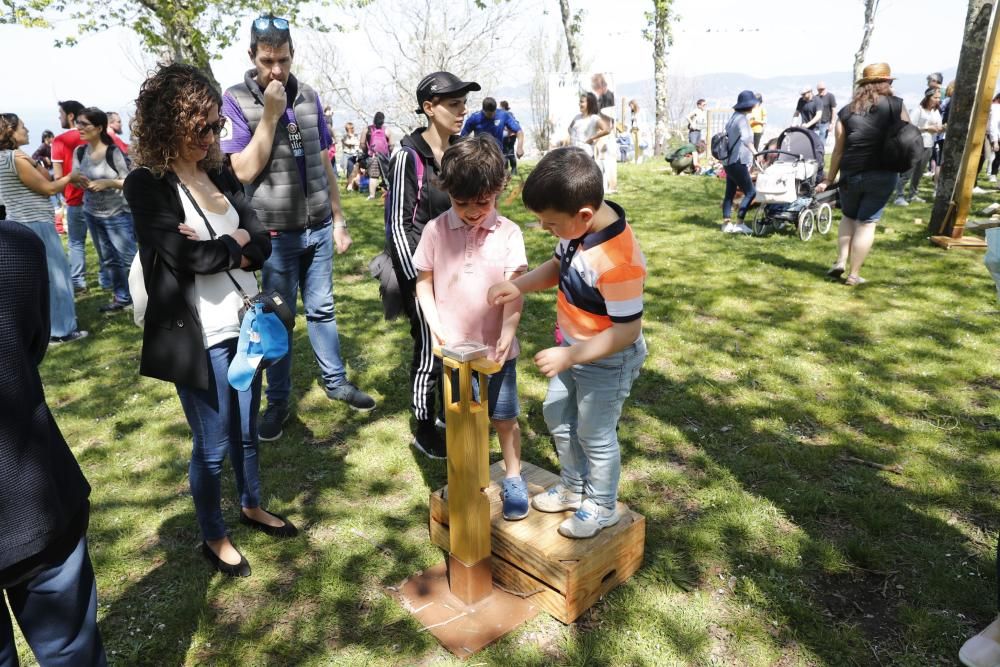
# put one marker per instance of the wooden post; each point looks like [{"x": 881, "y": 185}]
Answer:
[
  {"x": 467, "y": 438},
  {"x": 959, "y": 207}
]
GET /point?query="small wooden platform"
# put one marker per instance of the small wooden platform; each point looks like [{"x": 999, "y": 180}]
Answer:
[
  {"x": 969, "y": 242},
  {"x": 562, "y": 576}
]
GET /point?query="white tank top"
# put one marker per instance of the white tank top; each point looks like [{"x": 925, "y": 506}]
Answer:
[{"x": 219, "y": 302}]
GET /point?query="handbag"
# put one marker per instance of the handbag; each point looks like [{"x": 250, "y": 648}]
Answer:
[
  {"x": 266, "y": 321},
  {"x": 137, "y": 288}
]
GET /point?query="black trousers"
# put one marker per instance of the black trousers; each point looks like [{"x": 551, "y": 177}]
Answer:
[{"x": 425, "y": 368}]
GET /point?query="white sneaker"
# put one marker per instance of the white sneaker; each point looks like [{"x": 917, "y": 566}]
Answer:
[
  {"x": 588, "y": 521},
  {"x": 727, "y": 228},
  {"x": 978, "y": 191},
  {"x": 983, "y": 649},
  {"x": 741, "y": 229},
  {"x": 993, "y": 178},
  {"x": 557, "y": 499}
]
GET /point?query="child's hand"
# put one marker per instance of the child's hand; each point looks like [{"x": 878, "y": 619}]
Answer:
[
  {"x": 553, "y": 361},
  {"x": 503, "y": 347},
  {"x": 502, "y": 293},
  {"x": 438, "y": 337}
]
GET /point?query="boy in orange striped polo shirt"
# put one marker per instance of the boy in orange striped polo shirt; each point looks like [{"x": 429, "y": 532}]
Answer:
[{"x": 600, "y": 271}]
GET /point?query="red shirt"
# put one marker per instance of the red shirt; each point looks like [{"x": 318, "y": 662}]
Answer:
[
  {"x": 62, "y": 152},
  {"x": 118, "y": 141}
]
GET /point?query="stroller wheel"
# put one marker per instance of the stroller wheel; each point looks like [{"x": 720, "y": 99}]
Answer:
[
  {"x": 759, "y": 222},
  {"x": 807, "y": 222},
  {"x": 824, "y": 219}
]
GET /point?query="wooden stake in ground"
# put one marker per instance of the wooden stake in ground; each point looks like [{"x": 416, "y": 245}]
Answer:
[{"x": 951, "y": 207}]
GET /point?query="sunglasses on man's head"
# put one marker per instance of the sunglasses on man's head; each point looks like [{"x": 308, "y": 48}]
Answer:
[
  {"x": 261, "y": 24},
  {"x": 215, "y": 128}
]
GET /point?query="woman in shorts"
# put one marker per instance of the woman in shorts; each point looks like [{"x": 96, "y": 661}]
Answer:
[{"x": 865, "y": 183}]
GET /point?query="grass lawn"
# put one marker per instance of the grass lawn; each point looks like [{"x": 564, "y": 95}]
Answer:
[{"x": 764, "y": 545}]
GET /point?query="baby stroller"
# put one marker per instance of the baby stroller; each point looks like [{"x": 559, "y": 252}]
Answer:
[{"x": 786, "y": 186}]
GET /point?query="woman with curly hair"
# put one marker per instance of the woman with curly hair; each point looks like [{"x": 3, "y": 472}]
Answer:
[
  {"x": 27, "y": 189},
  {"x": 104, "y": 206},
  {"x": 865, "y": 183},
  {"x": 195, "y": 227}
]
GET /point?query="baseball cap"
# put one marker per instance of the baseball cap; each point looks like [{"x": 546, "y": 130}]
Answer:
[
  {"x": 805, "y": 90},
  {"x": 441, "y": 84}
]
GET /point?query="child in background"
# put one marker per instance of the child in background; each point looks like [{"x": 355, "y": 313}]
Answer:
[
  {"x": 461, "y": 253},
  {"x": 600, "y": 271}
]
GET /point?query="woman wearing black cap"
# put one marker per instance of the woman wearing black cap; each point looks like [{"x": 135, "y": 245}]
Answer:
[
  {"x": 413, "y": 201},
  {"x": 739, "y": 141}
]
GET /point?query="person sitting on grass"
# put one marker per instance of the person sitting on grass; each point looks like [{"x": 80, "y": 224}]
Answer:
[
  {"x": 451, "y": 282},
  {"x": 600, "y": 271}
]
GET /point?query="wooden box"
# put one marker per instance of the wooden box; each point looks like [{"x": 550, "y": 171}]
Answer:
[{"x": 565, "y": 577}]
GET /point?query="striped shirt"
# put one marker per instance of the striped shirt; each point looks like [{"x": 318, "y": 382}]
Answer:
[
  {"x": 601, "y": 278},
  {"x": 23, "y": 204}
]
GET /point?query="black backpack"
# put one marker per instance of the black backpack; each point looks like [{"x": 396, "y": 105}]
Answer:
[
  {"x": 109, "y": 156},
  {"x": 721, "y": 150},
  {"x": 903, "y": 143}
]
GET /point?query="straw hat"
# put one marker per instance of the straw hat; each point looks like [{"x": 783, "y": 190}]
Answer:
[{"x": 875, "y": 73}]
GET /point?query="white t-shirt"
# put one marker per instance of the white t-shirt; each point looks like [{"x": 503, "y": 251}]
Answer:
[
  {"x": 922, "y": 118},
  {"x": 583, "y": 128},
  {"x": 219, "y": 302}
]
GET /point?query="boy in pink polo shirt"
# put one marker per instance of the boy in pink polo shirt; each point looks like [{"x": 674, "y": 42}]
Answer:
[{"x": 461, "y": 253}]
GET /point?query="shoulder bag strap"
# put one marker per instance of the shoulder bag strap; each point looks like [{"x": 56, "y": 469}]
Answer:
[{"x": 211, "y": 232}]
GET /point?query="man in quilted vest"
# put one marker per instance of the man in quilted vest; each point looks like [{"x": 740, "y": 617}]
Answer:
[{"x": 277, "y": 139}]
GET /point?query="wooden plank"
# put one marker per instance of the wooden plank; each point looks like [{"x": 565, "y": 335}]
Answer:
[
  {"x": 523, "y": 584},
  {"x": 968, "y": 242}
]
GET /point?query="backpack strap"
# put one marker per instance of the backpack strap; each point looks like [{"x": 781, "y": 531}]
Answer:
[{"x": 109, "y": 156}]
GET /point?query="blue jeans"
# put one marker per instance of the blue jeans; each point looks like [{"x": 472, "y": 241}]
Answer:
[
  {"x": 304, "y": 261},
  {"x": 822, "y": 129},
  {"x": 116, "y": 236},
  {"x": 694, "y": 136},
  {"x": 76, "y": 230},
  {"x": 738, "y": 175},
  {"x": 501, "y": 394},
  {"x": 57, "y": 612},
  {"x": 222, "y": 420},
  {"x": 863, "y": 196},
  {"x": 62, "y": 309},
  {"x": 581, "y": 409}
]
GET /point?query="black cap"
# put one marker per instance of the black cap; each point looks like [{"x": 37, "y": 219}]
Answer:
[{"x": 442, "y": 84}]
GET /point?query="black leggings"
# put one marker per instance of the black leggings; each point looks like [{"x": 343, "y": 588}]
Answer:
[{"x": 738, "y": 176}]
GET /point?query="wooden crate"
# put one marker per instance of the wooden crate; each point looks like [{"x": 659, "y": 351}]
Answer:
[{"x": 565, "y": 577}]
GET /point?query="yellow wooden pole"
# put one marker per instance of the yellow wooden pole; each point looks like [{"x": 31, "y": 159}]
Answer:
[
  {"x": 962, "y": 203},
  {"x": 467, "y": 438}
]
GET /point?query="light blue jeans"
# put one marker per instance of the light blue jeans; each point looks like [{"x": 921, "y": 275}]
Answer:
[
  {"x": 581, "y": 409},
  {"x": 304, "y": 261},
  {"x": 76, "y": 230},
  {"x": 62, "y": 309},
  {"x": 116, "y": 237}
]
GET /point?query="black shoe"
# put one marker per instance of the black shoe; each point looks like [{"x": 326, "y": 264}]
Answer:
[
  {"x": 287, "y": 530},
  {"x": 428, "y": 440},
  {"x": 270, "y": 423},
  {"x": 353, "y": 396},
  {"x": 114, "y": 307},
  {"x": 241, "y": 569},
  {"x": 68, "y": 338}
]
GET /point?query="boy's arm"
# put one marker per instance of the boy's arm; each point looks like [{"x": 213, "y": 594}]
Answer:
[
  {"x": 511, "y": 318},
  {"x": 425, "y": 296},
  {"x": 539, "y": 278},
  {"x": 620, "y": 335}
]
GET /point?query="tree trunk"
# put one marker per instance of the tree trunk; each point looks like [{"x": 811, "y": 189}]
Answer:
[
  {"x": 661, "y": 40},
  {"x": 183, "y": 42},
  {"x": 571, "y": 26},
  {"x": 970, "y": 64},
  {"x": 871, "y": 8}
]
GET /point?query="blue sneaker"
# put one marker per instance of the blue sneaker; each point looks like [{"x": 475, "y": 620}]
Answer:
[{"x": 515, "y": 498}]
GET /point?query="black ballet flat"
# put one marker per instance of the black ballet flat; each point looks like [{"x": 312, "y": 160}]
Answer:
[
  {"x": 286, "y": 530},
  {"x": 241, "y": 569}
]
